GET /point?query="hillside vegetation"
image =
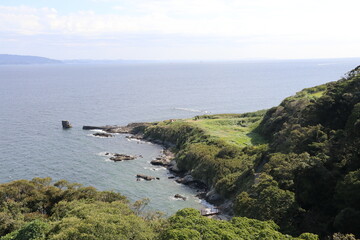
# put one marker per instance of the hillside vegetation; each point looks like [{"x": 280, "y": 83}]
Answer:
[
  {"x": 39, "y": 210},
  {"x": 296, "y": 164},
  {"x": 293, "y": 170}
]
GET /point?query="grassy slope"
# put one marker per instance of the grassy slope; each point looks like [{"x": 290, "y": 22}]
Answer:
[{"x": 234, "y": 129}]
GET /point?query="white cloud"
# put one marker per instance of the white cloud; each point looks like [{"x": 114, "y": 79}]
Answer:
[
  {"x": 257, "y": 28},
  {"x": 193, "y": 17}
]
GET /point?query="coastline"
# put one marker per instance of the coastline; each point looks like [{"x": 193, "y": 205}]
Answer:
[{"x": 168, "y": 161}]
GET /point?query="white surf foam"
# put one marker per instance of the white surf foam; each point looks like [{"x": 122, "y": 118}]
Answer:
[{"x": 191, "y": 110}]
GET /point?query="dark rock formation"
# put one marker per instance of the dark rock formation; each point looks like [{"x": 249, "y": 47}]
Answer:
[
  {"x": 159, "y": 162},
  {"x": 201, "y": 195},
  {"x": 147, "y": 178},
  {"x": 191, "y": 182},
  {"x": 185, "y": 180},
  {"x": 103, "y": 135},
  {"x": 163, "y": 160},
  {"x": 130, "y": 128},
  {"x": 178, "y": 196},
  {"x": 213, "y": 197},
  {"x": 134, "y": 137},
  {"x": 66, "y": 124},
  {"x": 122, "y": 157},
  {"x": 95, "y": 128}
]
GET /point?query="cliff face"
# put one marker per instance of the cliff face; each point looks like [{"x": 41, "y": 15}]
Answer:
[{"x": 304, "y": 173}]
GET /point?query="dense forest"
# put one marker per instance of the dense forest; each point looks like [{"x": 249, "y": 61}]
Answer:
[{"x": 293, "y": 170}]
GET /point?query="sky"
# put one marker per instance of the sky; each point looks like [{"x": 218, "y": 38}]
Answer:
[{"x": 180, "y": 29}]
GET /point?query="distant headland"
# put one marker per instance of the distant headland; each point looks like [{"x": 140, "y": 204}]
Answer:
[
  {"x": 11, "y": 59},
  {"x": 8, "y": 59}
]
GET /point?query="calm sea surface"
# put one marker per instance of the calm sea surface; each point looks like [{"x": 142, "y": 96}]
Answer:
[{"x": 35, "y": 98}]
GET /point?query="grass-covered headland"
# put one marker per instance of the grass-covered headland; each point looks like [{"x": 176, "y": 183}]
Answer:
[
  {"x": 297, "y": 164},
  {"x": 292, "y": 170}
]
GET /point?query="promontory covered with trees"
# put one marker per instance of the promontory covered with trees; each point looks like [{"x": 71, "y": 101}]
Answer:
[{"x": 290, "y": 172}]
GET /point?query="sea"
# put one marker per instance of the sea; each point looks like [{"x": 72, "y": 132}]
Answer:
[{"x": 34, "y": 99}]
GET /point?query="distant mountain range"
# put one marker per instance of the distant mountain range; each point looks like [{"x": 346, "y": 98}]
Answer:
[{"x": 7, "y": 59}]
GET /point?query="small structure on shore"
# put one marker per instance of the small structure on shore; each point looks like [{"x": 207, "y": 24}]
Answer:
[
  {"x": 66, "y": 124},
  {"x": 210, "y": 211}
]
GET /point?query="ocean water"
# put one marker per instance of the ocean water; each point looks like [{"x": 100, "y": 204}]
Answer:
[{"x": 35, "y": 98}]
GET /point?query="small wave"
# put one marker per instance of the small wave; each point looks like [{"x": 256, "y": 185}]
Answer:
[
  {"x": 172, "y": 198},
  {"x": 97, "y": 130},
  {"x": 92, "y": 135},
  {"x": 206, "y": 204},
  {"x": 154, "y": 168},
  {"x": 138, "y": 141},
  {"x": 135, "y": 140},
  {"x": 103, "y": 154},
  {"x": 191, "y": 110}
]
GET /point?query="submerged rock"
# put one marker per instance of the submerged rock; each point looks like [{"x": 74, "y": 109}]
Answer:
[
  {"x": 103, "y": 135},
  {"x": 178, "y": 196}
]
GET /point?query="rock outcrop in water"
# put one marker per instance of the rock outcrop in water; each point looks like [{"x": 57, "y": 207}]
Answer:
[
  {"x": 147, "y": 178},
  {"x": 178, "y": 196},
  {"x": 130, "y": 128},
  {"x": 66, "y": 124},
  {"x": 164, "y": 160},
  {"x": 118, "y": 157},
  {"x": 103, "y": 135}
]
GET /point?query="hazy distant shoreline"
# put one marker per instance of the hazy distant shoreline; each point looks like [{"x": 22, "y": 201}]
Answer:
[{"x": 13, "y": 59}]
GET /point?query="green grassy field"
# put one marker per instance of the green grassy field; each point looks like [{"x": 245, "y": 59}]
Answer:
[{"x": 236, "y": 129}]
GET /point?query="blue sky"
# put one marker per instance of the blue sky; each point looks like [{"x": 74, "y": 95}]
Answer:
[{"x": 180, "y": 29}]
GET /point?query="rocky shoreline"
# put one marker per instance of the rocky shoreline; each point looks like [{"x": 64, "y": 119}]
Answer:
[{"x": 167, "y": 160}]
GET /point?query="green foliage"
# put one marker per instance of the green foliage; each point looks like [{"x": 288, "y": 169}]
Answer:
[
  {"x": 266, "y": 201},
  {"x": 348, "y": 221},
  {"x": 353, "y": 122},
  {"x": 35, "y": 230},
  {"x": 307, "y": 144},
  {"x": 38, "y": 210},
  {"x": 282, "y": 167},
  {"x": 297, "y": 165},
  {"x": 339, "y": 236},
  {"x": 189, "y": 224},
  {"x": 309, "y": 236},
  {"x": 348, "y": 190},
  {"x": 86, "y": 214},
  {"x": 98, "y": 220}
]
